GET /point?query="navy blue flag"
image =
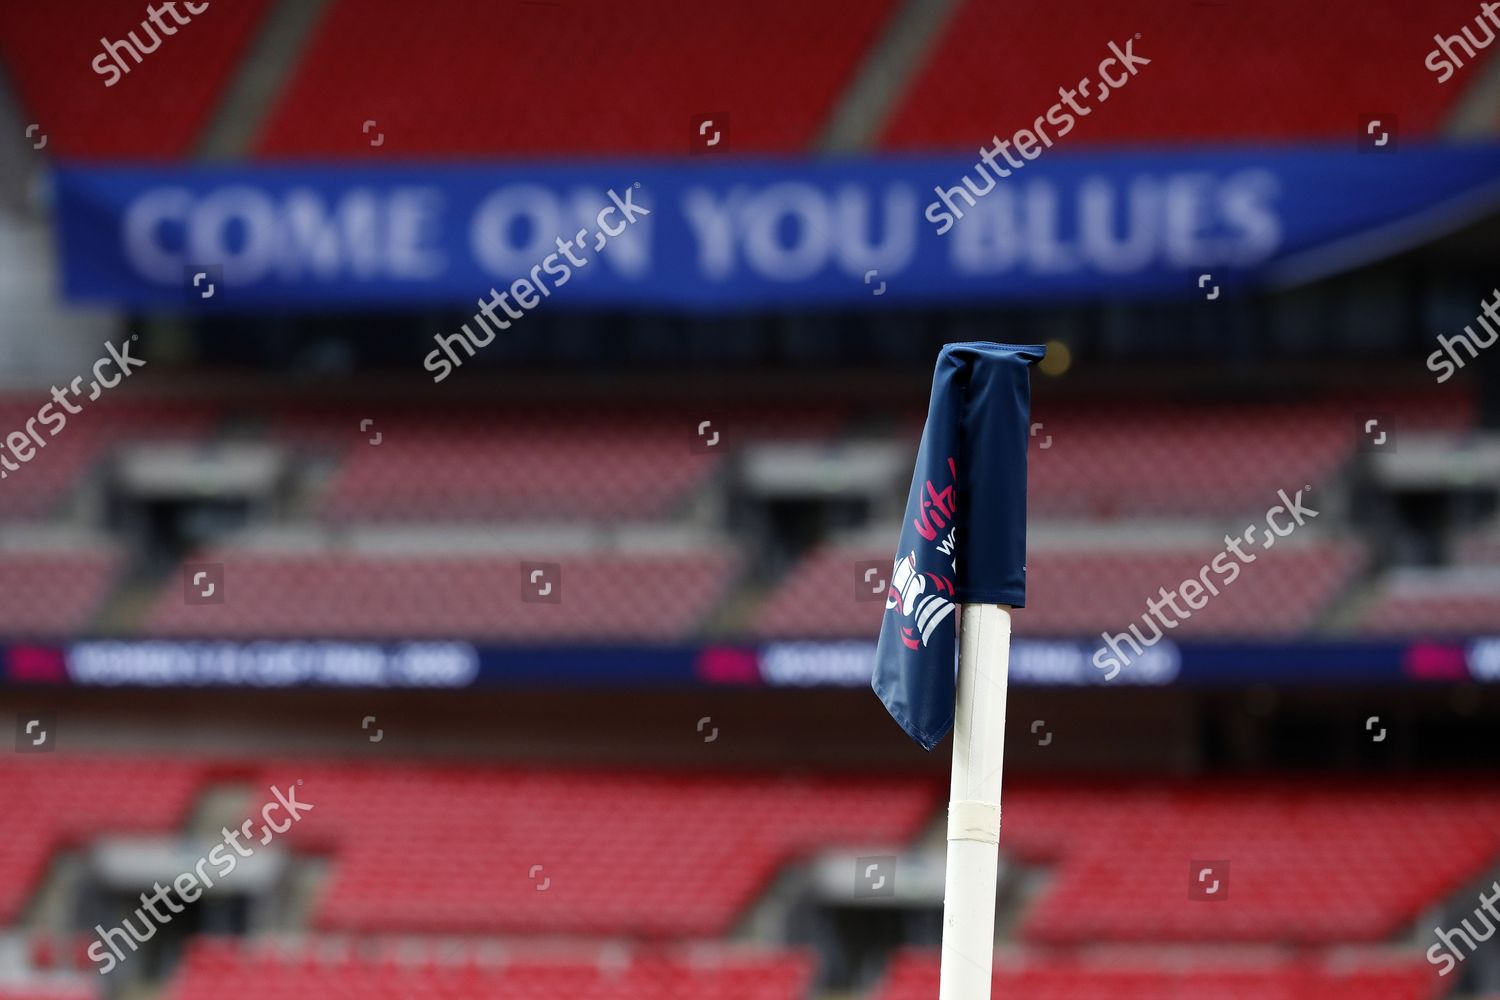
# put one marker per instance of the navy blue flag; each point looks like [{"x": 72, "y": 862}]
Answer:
[{"x": 964, "y": 537}]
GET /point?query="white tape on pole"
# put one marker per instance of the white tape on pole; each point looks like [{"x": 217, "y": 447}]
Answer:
[{"x": 974, "y": 804}]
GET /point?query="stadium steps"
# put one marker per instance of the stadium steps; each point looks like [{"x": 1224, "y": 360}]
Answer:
[
  {"x": 226, "y": 805},
  {"x": 218, "y": 806},
  {"x": 1025, "y": 885},
  {"x": 766, "y": 920},
  {"x": 125, "y": 609},
  {"x": 52, "y": 904},
  {"x": 252, "y": 92},
  {"x": 1349, "y": 609},
  {"x": 308, "y": 878},
  {"x": 885, "y": 75},
  {"x": 18, "y": 172},
  {"x": 74, "y": 337},
  {"x": 1474, "y": 114},
  {"x": 312, "y": 480},
  {"x": 735, "y": 615}
]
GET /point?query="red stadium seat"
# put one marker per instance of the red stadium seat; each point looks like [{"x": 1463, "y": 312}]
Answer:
[
  {"x": 158, "y": 110},
  {"x": 539, "y": 463},
  {"x": 340, "y": 594},
  {"x": 1457, "y": 602},
  {"x": 510, "y": 464},
  {"x": 1219, "y": 72},
  {"x": 461, "y": 849},
  {"x": 1478, "y": 549},
  {"x": 1282, "y": 593},
  {"x": 55, "y": 801},
  {"x": 1168, "y": 460},
  {"x": 54, "y": 594},
  {"x": 47, "y": 993},
  {"x": 1309, "y": 863},
  {"x": 216, "y": 969},
  {"x": 1081, "y": 592},
  {"x": 816, "y": 599},
  {"x": 914, "y": 976},
  {"x": 477, "y": 78},
  {"x": 439, "y": 849},
  {"x": 42, "y": 487}
]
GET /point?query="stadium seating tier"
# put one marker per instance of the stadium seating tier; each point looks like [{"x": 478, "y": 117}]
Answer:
[
  {"x": 914, "y": 976},
  {"x": 157, "y": 110},
  {"x": 585, "y": 77},
  {"x": 217, "y": 969},
  {"x": 1219, "y": 72}
]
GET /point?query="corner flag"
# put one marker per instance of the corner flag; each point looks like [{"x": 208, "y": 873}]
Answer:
[{"x": 964, "y": 537}]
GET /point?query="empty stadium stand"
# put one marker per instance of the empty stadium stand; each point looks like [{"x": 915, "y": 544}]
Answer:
[
  {"x": 1218, "y": 72},
  {"x": 656, "y": 857},
  {"x": 215, "y": 969},
  {"x": 593, "y": 463},
  {"x": 914, "y": 976},
  {"x": 47, "y": 593},
  {"x": 541, "y": 466},
  {"x": 56, "y": 801},
  {"x": 1282, "y": 593},
  {"x": 1135, "y": 469},
  {"x": 594, "y": 596},
  {"x": 524, "y": 79},
  {"x": 46, "y": 993},
  {"x": 480, "y": 79},
  {"x": 457, "y": 850},
  {"x": 429, "y": 848},
  {"x": 1434, "y": 602},
  {"x": 1081, "y": 591},
  {"x": 1169, "y": 460},
  {"x": 818, "y": 596},
  {"x": 42, "y": 487},
  {"x": 156, "y": 111},
  {"x": 1308, "y": 863},
  {"x": 1481, "y": 548}
]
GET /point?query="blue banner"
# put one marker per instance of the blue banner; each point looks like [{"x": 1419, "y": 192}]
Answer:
[
  {"x": 458, "y": 665},
  {"x": 731, "y": 234}
]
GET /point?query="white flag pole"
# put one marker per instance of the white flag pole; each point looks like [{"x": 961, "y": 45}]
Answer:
[{"x": 974, "y": 804}]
